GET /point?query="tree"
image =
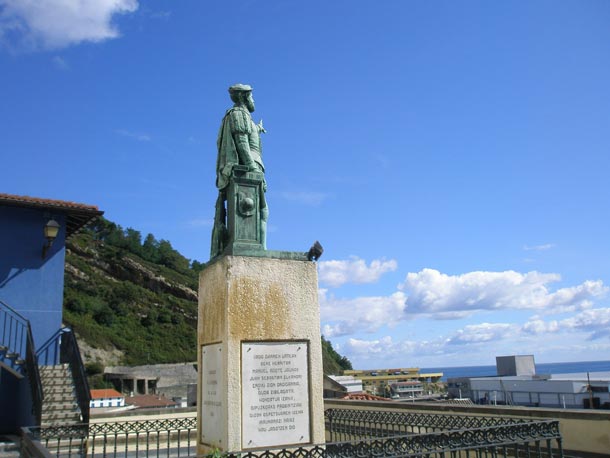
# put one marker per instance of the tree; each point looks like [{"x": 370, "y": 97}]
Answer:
[
  {"x": 150, "y": 248},
  {"x": 197, "y": 266},
  {"x": 171, "y": 258},
  {"x": 133, "y": 240}
]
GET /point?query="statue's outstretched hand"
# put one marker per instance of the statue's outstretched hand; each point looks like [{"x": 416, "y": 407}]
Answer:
[{"x": 260, "y": 127}]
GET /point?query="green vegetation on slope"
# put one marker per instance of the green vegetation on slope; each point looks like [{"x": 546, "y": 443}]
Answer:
[
  {"x": 333, "y": 363},
  {"x": 138, "y": 296}
]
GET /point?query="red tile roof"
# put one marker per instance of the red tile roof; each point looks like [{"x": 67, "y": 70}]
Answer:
[
  {"x": 39, "y": 202},
  {"x": 363, "y": 397},
  {"x": 149, "y": 401},
  {"x": 77, "y": 215},
  {"x": 106, "y": 393}
]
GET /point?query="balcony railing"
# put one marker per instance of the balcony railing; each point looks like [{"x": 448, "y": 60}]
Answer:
[{"x": 351, "y": 433}]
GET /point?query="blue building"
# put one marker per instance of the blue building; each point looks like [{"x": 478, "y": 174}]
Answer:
[{"x": 33, "y": 234}]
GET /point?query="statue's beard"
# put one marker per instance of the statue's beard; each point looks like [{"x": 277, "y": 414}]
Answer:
[{"x": 250, "y": 105}]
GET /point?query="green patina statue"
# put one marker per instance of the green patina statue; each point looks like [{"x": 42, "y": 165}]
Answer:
[{"x": 240, "y": 179}]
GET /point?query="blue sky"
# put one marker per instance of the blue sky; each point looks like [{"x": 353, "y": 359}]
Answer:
[{"x": 451, "y": 156}]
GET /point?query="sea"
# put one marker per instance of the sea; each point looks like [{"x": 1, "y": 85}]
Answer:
[{"x": 541, "y": 368}]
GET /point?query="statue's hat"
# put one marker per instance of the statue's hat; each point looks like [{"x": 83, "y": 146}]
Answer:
[{"x": 240, "y": 88}]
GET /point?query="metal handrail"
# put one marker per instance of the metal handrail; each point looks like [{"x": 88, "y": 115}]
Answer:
[
  {"x": 18, "y": 340},
  {"x": 62, "y": 348},
  {"x": 48, "y": 353},
  {"x": 70, "y": 353},
  {"x": 33, "y": 373},
  {"x": 14, "y": 331}
]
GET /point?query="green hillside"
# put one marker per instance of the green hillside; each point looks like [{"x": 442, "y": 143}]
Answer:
[{"x": 137, "y": 298}]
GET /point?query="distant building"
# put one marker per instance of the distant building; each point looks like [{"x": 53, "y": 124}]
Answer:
[
  {"x": 333, "y": 389},
  {"x": 378, "y": 380},
  {"x": 107, "y": 398},
  {"x": 351, "y": 383},
  {"x": 402, "y": 390},
  {"x": 519, "y": 385},
  {"x": 515, "y": 365},
  {"x": 171, "y": 380}
]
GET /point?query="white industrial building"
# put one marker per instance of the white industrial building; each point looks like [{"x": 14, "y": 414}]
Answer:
[
  {"x": 351, "y": 384},
  {"x": 518, "y": 384}
]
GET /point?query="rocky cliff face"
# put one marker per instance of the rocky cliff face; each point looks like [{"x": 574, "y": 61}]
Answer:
[{"x": 127, "y": 309}]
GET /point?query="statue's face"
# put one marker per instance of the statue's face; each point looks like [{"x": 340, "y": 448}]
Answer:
[{"x": 250, "y": 102}]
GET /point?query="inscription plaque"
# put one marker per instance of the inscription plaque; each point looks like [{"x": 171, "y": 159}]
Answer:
[
  {"x": 213, "y": 395},
  {"x": 275, "y": 394}
]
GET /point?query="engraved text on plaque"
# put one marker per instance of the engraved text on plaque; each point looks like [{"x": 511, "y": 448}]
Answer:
[
  {"x": 213, "y": 395},
  {"x": 275, "y": 394}
]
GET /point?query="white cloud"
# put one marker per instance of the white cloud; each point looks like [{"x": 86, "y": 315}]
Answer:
[
  {"x": 477, "y": 343},
  {"x": 312, "y": 199},
  {"x": 484, "y": 332},
  {"x": 539, "y": 327},
  {"x": 346, "y": 316},
  {"x": 354, "y": 270},
  {"x": 337, "y": 329},
  {"x": 544, "y": 247},
  {"x": 595, "y": 321},
  {"x": 431, "y": 294},
  {"x": 385, "y": 349},
  {"x": 52, "y": 24},
  {"x": 441, "y": 295},
  {"x": 371, "y": 347}
]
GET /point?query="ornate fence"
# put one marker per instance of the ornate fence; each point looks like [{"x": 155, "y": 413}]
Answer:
[
  {"x": 151, "y": 438},
  {"x": 351, "y": 433}
]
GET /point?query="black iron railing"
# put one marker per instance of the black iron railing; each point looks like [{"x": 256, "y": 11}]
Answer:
[
  {"x": 62, "y": 348},
  {"x": 347, "y": 424},
  {"x": 370, "y": 435},
  {"x": 13, "y": 336},
  {"x": 151, "y": 438},
  {"x": 33, "y": 374},
  {"x": 539, "y": 439},
  {"x": 17, "y": 344}
]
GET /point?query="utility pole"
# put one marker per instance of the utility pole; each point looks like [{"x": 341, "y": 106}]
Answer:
[{"x": 590, "y": 390}]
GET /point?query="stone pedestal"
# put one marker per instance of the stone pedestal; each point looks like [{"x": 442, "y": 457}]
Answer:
[{"x": 259, "y": 355}]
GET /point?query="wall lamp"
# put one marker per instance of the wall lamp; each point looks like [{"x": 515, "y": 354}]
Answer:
[
  {"x": 51, "y": 229},
  {"x": 315, "y": 251}
]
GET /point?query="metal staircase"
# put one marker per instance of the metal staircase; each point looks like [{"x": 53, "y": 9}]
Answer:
[{"x": 55, "y": 373}]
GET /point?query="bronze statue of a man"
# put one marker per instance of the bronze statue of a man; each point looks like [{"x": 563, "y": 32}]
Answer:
[{"x": 238, "y": 143}]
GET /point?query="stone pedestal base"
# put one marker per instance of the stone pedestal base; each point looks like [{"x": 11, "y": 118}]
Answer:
[{"x": 259, "y": 355}]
